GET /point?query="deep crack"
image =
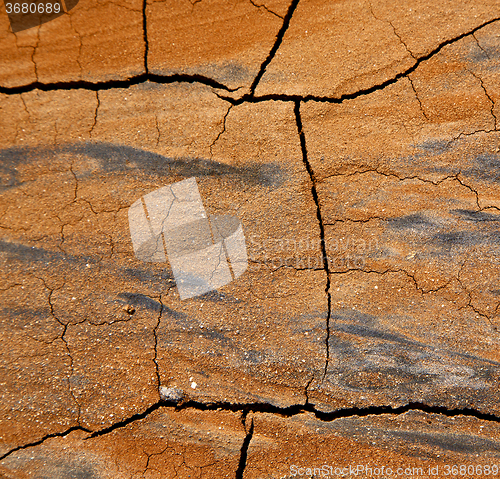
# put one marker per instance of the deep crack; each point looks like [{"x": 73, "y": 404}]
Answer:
[
  {"x": 244, "y": 447},
  {"x": 43, "y": 439},
  {"x": 268, "y": 408},
  {"x": 277, "y": 44},
  {"x": 113, "y": 84},
  {"x": 162, "y": 79},
  {"x": 315, "y": 196},
  {"x": 365, "y": 91}
]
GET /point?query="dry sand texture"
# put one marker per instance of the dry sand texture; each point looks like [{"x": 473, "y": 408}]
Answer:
[{"x": 358, "y": 144}]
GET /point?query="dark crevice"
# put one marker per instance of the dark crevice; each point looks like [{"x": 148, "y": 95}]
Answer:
[
  {"x": 366, "y": 91},
  {"x": 127, "y": 421},
  {"x": 111, "y": 84},
  {"x": 277, "y": 43},
  {"x": 289, "y": 411},
  {"x": 296, "y": 409},
  {"x": 315, "y": 196},
  {"x": 162, "y": 79},
  {"x": 244, "y": 447},
  {"x": 43, "y": 439},
  {"x": 306, "y": 390}
]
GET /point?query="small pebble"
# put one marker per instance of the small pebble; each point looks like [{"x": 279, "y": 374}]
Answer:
[{"x": 171, "y": 394}]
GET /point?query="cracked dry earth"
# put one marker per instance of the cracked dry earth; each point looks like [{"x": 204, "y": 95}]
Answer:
[{"x": 358, "y": 144}]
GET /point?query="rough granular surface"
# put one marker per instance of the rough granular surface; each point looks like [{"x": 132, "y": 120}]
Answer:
[{"x": 342, "y": 222}]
